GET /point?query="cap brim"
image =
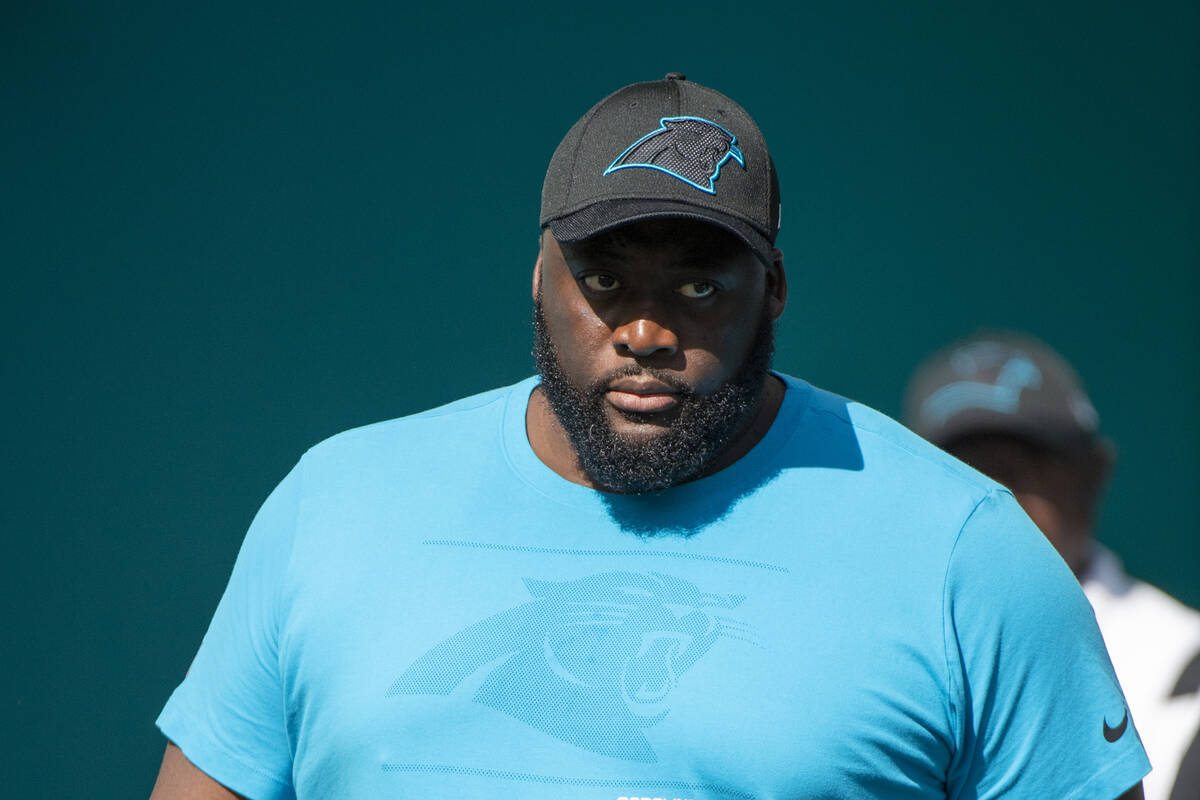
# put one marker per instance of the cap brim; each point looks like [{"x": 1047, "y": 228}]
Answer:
[{"x": 609, "y": 214}]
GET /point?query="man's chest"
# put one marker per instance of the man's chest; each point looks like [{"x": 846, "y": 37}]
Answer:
[{"x": 455, "y": 667}]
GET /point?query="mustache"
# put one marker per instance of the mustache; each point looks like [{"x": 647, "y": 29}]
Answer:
[{"x": 677, "y": 384}]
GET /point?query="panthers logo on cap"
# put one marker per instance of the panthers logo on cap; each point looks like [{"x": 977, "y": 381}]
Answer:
[
  {"x": 591, "y": 661},
  {"x": 691, "y": 149}
]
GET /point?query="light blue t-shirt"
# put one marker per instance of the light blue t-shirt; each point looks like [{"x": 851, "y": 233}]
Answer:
[{"x": 423, "y": 609}]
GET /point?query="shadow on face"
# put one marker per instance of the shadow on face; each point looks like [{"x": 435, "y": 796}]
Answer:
[{"x": 671, "y": 238}]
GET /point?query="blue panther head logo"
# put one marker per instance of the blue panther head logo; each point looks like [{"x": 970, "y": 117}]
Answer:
[
  {"x": 590, "y": 661},
  {"x": 691, "y": 149}
]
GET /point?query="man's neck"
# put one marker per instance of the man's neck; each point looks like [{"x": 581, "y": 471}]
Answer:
[{"x": 774, "y": 390}]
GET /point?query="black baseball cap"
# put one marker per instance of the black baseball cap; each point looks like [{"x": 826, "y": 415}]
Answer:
[
  {"x": 1000, "y": 382},
  {"x": 666, "y": 148}
]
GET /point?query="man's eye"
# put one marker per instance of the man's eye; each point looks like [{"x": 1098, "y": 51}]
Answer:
[
  {"x": 697, "y": 290},
  {"x": 601, "y": 282}
]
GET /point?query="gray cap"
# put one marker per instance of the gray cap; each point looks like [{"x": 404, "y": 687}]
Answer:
[
  {"x": 667, "y": 148},
  {"x": 1000, "y": 382}
]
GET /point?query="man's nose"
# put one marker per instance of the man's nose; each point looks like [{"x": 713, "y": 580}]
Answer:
[{"x": 644, "y": 337}]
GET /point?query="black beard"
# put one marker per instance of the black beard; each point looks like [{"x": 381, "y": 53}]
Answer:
[{"x": 697, "y": 435}]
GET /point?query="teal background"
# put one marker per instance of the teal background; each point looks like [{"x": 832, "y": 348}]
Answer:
[{"x": 229, "y": 232}]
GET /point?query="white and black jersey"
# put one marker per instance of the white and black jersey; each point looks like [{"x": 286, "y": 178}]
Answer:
[{"x": 1154, "y": 643}]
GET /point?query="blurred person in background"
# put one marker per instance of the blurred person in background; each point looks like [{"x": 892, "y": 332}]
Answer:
[{"x": 1012, "y": 408}]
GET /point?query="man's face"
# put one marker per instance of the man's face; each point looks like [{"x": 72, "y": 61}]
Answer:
[{"x": 653, "y": 341}]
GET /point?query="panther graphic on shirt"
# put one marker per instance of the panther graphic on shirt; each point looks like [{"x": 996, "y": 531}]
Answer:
[{"x": 590, "y": 661}]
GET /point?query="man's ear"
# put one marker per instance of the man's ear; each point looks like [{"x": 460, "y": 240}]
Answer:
[
  {"x": 537, "y": 277},
  {"x": 776, "y": 284},
  {"x": 537, "y": 272},
  {"x": 1102, "y": 460},
  {"x": 1095, "y": 466}
]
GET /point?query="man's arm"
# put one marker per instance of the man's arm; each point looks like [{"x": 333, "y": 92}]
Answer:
[{"x": 180, "y": 779}]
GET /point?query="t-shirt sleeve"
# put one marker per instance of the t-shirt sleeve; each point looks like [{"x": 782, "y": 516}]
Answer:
[
  {"x": 228, "y": 714},
  {"x": 1037, "y": 708}
]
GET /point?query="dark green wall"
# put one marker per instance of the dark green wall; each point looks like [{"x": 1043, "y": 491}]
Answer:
[{"x": 229, "y": 233}]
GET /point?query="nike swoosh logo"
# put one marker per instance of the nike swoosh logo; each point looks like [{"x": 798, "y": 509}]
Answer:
[{"x": 1112, "y": 734}]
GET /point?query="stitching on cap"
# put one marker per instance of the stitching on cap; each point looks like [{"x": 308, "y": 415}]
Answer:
[{"x": 575, "y": 155}]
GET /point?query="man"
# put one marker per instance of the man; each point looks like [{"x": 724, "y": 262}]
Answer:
[
  {"x": 660, "y": 570},
  {"x": 1011, "y": 407}
]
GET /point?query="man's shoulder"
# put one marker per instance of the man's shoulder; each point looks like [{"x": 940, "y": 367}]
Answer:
[
  {"x": 886, "y": 446},
  {"x": 474, "y": 416}
]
